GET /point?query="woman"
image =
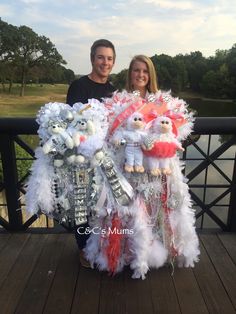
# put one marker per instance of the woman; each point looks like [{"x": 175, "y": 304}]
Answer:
[{"x": 142, "y": 76}]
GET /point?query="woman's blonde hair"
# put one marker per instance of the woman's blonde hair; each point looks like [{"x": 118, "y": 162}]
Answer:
[{"x": 152, "y": 86}]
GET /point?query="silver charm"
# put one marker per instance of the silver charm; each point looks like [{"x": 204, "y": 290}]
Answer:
[
  {"x": 122, "y": 142},
  {"x": 166, "y": 97},
  {"x": 151, "y": 98},
  {"x": 149, "y": 141},
  {"x": 136, "y": 93}
]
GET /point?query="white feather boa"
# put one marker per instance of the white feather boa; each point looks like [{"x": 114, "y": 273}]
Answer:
[
  {"x": 182, "y": 219},
  {"x": 147, "y": 249},
  {"x": 39, "y": 195}
]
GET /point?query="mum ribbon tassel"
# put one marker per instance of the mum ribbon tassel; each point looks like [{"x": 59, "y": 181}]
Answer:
[
  {"x": 113, "y": 250},
  {"x": 168, "y": 231}
]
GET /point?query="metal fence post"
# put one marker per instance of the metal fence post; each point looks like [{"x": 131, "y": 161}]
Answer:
[
  {"x": 232, "y": 205},
  {"x": 8, "y": 156}
]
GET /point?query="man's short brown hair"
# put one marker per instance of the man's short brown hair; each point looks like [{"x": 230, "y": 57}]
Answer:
[{"x": 101, "y": 43}]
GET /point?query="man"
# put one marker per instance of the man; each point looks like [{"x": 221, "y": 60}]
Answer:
[{"x": 94, "y": 85}]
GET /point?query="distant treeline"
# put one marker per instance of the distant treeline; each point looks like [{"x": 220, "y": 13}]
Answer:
[
  {"x": 27, "y": 57},
  {"x": 213, "y": 77}
]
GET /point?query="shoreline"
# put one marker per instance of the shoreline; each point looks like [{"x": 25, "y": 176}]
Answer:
[{"x": 186, "y": 95}]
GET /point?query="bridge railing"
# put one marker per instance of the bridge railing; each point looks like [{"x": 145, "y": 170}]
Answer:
[{"x": 210, "y": 169}]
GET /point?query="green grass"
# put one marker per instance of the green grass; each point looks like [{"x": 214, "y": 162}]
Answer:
[
  {"x": 37, "y": 89},
  {"x": 36, "y": 95}
]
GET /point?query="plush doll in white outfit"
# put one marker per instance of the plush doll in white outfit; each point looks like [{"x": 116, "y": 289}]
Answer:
[{"x": 132, "y": 136}]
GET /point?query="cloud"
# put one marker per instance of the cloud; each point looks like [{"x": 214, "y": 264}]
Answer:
[
  {"x": 151, "y": 34},
  {"x": 166, "y": 4},
  {"x": 5, "y": 10},
  {"x": 29, "y": 2},
  {"x": 148, "y": 26}
]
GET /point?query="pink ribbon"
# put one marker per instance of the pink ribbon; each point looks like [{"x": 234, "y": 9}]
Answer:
[{"x": 120, "y": 119}]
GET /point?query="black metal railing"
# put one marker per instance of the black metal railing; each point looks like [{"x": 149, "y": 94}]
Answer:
[{"x": 212, "y": 143}]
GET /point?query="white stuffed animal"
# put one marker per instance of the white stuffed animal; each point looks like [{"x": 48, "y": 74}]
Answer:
[
  {"x": 58, "y": 142},
  {"x": 132, "y": 136},
  {"x": 161, "y": 145},
  {"x": 80, "y": 129}
]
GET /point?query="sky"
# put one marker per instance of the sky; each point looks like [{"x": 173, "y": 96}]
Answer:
[{"x": 135, "y": 27}]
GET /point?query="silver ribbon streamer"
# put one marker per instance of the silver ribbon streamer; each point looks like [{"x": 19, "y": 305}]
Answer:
[
  {"x": 63, "y": 207},
  {"x": 73, "y": 204},
  {"x": 81, "y": 180},
  {"x": 121, "y": 189}
]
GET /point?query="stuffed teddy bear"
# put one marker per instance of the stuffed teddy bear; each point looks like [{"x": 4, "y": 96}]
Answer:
[
  {"x": 58, "y": 142},
  {"x": 132, "y": 137},
  {"x": 161, "y": 145},
  {"x": 91, "y": 146},
  {"x": 80, "y": 129}
]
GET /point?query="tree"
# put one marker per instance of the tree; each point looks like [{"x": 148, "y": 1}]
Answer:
[
  {"x": 210, "y": 84},
  {"x": 227, "y": 82},
  {"x": 213, "y": 63},
  {"x": 171, "y": 72},
  {"x": 8, "y": 73},
  {"x": 68, "y": 75},
  {"x": 119, "y": 80},
  {"x": 27, "y": 50},
  {"x": 35, "y": 50},
  {"x": 196, "y": 66},
  {"x": 8, "y": 36},
  {"x": 218, "y": 83},
  {"x": 214, "y": 76},
  {"x": 182, "y": 73},
  {"x": 231, "y": 63}
]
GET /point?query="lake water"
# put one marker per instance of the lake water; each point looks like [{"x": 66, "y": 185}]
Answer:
[{"x": 212, "y": 108}]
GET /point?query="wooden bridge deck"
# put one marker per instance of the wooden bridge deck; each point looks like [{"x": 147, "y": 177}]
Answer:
[{"x": 40, "y": 273}]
